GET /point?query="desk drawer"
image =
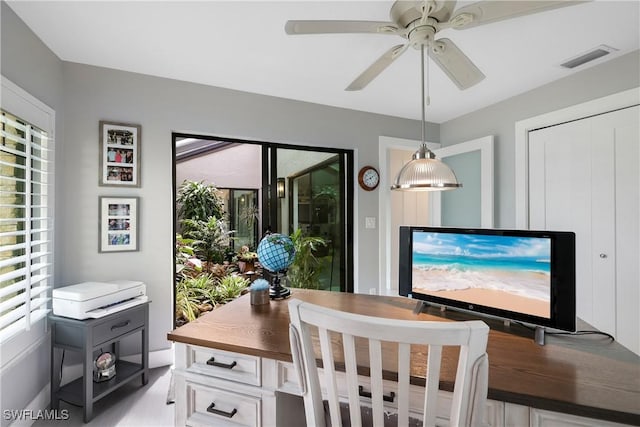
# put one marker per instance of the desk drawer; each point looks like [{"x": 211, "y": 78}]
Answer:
[
  {"x": 119, "y": 325},
  {"x": 223, "y": 364},
  {"x": 210, "y": 406}
]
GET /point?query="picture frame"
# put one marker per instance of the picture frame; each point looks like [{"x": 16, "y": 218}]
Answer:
[
  {"x": 118, "y": 219},
  {"x": 119, "y": 154}
]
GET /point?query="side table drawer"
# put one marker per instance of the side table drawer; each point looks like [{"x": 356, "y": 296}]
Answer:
[
  {"x": 116, "y": 326},
  {"x": 210, "y": 406},
  {"x": 223, "y": 364}
]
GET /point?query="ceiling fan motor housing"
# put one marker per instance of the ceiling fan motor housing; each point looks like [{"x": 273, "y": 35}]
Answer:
[
  {"x": 421, "y": 35},
  {"x": 404, "y": 13}
]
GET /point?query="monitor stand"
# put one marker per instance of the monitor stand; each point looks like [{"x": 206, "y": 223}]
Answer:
[
  {"x": 539, "y": 336},
  {"x": 420, "y": 305},
  {"x": 539, "y": 331}
]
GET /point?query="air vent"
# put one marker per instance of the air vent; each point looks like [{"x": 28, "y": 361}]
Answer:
[{"x": 589, "y": 56}]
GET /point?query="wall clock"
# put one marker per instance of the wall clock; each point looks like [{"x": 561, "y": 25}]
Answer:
[{"x": 368, "y": 178}]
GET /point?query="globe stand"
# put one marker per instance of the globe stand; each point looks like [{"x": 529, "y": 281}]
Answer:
[
  {"x": 276, "y": 253},
  {"x": 278, "y": 291}
]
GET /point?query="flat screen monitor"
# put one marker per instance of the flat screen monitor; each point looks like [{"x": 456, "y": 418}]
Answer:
[{"x": 520, "y": 275}]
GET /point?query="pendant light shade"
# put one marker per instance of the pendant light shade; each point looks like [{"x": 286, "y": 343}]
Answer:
[{"x": 424, "y": 172}]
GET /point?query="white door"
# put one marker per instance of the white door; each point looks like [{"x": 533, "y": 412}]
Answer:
[
  {"x": 417, "y": 208},
  {"x": 583, "y": 177}
]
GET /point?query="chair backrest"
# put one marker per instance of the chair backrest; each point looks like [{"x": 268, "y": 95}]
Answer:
[{"x": 333, "y": 327}]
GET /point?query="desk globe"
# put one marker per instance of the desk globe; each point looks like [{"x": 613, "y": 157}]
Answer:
[{"x": 276, "y": 253}]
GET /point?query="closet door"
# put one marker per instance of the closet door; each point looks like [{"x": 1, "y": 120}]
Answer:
[{"x": 583, "y": 177}]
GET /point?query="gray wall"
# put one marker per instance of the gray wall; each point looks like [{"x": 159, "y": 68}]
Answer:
[
  {"x": 499, "y": 119},
  {"x": 161, "y": 106},
  {"x": 27, "y": 62}
]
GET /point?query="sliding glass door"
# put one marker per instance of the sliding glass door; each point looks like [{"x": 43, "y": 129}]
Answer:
[
  {"x": 303, "y": 192},
  {"x": 241, "y": 206},
  {"x": 312, "y": 200}
]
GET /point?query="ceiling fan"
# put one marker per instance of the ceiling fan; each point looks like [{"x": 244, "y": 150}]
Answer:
[{"x": 418, "y": 22}]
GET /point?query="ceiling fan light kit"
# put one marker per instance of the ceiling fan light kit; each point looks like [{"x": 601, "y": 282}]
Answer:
[{"x": 425, "y": 173}]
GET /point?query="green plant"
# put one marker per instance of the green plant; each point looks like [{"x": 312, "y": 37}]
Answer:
[
  {"x": 191, "y": 293},
  {"x": 202, "y": 293},
  {"x": 246, "y": 254},
  {"x": 305, "y": 269},
  {"x": 230, "y": 287},
  {"x": 198, "y": 201},
  {"x": 328, "y": 191},
  {"x": 187, "y": 264},
  {"x": 211, "y": 240}
]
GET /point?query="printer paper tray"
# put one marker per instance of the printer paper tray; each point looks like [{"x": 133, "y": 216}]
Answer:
[{"x": 105, "y": 311}]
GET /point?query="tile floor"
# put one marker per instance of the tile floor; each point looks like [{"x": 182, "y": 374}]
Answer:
[{"x": 129, "y": 406}]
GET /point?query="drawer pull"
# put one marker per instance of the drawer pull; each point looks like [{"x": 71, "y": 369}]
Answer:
[
  {"x": 212, "y": 362},
  {"x": 213, "y": 410},
  {"x": 120, "y": 325},
  {"x": 389, "y": 398}
]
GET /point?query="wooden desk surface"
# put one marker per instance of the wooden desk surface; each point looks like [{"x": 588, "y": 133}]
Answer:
[{"x": 582, "y": 375}]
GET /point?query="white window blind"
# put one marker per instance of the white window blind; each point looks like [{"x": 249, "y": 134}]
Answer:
[{"x": 26, "y": 225}]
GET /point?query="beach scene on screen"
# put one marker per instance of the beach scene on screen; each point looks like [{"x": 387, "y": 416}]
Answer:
[{"x": 504, "y": 272}]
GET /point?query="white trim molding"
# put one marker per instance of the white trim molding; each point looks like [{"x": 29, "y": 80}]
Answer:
[
  {"x": 22, "y": 104},
  {"x": 386, "y": 143},
  {"x": 616, "y": 101}
]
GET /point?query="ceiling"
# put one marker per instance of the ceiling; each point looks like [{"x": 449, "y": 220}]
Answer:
[{"x": 242, "y": 45}]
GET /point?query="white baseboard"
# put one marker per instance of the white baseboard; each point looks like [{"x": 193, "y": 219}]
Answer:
[{"x": 40, "y": 402}]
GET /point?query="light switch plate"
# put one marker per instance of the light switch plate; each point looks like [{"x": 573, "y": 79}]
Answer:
[{"x": 370, "y": 222}]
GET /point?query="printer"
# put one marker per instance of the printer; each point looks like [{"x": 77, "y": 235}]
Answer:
[{"x": 92, "y": 300}]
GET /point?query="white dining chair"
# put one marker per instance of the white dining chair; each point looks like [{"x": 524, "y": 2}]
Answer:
[{"x": 349, "y": 408}]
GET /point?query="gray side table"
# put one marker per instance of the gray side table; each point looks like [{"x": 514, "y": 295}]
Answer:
[{"x": 90, "y": 337}]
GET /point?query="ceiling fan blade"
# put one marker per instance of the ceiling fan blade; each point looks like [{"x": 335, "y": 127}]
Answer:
[
  {"x": 455, "y": 64},
  {"x": 377, "y": 67},
  {"x": 444, "y": 10},
  {"x": 485, "y": 12},
  {"x": 328, "y": 27}
]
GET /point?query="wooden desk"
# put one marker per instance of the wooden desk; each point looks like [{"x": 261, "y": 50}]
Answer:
[{"x": 587, "y": 376}]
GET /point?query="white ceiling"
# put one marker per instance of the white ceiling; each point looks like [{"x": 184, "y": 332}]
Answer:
[{"x": 242, "y": 45}]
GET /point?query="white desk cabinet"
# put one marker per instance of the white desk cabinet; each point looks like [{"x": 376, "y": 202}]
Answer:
[
  {"x": 233, "y": 367},
  {"x": 215, "y": 387}
]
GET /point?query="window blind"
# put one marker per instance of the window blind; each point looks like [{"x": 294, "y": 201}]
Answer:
[{"x": 26, "y": 225}]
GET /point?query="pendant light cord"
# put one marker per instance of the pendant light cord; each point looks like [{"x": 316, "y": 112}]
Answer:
[
  {"x": 428, "y": 102},
  {"x": 422, "y": 91}
]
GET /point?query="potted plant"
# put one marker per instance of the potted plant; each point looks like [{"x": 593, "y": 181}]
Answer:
[
  {"x": 210, "y": 238},
  {"x": 304, "y": 271},
  {"x": 246, "y": 259},
  {"x": 198, "y": 201}
]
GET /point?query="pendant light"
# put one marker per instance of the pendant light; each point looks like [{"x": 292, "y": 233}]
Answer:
[{"x": 424, "y": 172}]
